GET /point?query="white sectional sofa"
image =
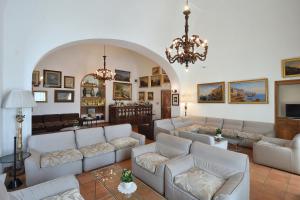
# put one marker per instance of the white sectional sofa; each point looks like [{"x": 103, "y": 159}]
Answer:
[
  {"x": 67, "y": 153},
  {"x": 246, "y": 132}
]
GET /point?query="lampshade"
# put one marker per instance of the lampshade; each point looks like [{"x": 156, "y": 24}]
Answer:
[
  {"x": 187, "y": 98},
  {"x": 19, "y": 99}
]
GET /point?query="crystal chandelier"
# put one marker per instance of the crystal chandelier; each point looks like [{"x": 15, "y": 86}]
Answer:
[
  {"x": 104, "y": 74},
  {"x": 184, "y": 50}
]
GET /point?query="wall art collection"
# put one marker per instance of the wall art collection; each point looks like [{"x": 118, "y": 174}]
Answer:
[{"x": 53, "y": 79}]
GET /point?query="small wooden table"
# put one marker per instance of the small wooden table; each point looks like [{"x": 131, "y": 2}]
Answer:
[{"x": 110, "y": 176}]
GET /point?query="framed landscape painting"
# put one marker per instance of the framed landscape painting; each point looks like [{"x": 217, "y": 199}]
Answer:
[
  {"x": 40, "y": 96},
  {"x": 122, "y": 91},
  {"x": 69, "y": 82},
  {"x": 175, "y": 99},
  {"x": 122, "y": 75},
  {"x": 63, "y": 96},
  {"x": 211, "y": 92},
  {"x": 290, "y": 67},
  {"x": 165, "y": 79},
  {"x": 248, "y": 92},
  {"x": 155, "y": 71},
  {"x": 155, "y": 81},
  {"x": 52, "y": 79},
  {"x": 144, "y": 81}
]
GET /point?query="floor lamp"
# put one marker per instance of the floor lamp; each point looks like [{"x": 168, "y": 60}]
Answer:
[
  {"x": 186, "y": 98},
  {"x": 18, "y": 99}
]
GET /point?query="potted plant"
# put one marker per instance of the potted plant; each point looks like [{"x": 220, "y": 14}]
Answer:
[
  {"x": 127, "y": 178},
  {"x": 218, "y": 133}
]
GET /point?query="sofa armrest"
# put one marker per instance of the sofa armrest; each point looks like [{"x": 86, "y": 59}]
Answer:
[
  {"x": 270, "y": 134},
  {"x": 34, "y": 161},
  {"x": 277, "y": 141},
  {"x": 163, "y": 130},
  {"x": 229, "y": 186},
  {"x": 139, "y": 137},
  {"x": 179, "y": 165},
  {"x": 46, "y": 189},
  {"x": 137, "y": 151}
]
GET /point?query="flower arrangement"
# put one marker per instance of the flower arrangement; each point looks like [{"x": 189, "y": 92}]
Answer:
[{"x": 126, "y": 176}]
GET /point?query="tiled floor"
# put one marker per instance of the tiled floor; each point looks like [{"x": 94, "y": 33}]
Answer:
[{"x": 266, "y": 183}]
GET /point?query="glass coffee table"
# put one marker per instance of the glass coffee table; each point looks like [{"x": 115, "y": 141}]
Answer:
[{"x": 109, "y": 177}]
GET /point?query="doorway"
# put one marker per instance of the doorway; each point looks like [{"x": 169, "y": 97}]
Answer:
[{"x": 165, "y": 104}]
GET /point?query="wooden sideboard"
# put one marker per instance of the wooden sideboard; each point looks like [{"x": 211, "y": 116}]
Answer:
[
  {"x": 135, "y": 115},
  {"x": 287, "y": 128}
]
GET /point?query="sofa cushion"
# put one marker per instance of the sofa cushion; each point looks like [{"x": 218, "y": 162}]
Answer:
[
  {"x": 229, "y": 132},
  {"x": 117, "y": 131},
  {"x": 60, "y": 157},
  {"x": 124, "y": 142},
  {"x": 251, "y": 136},
  {"x": 73, "y": 194},
  {"x": 258, "y": 127},
  {"x": 207, "y": 129},
  {"x": 199, "y": 183},
  {"x": 214, "y": 122},
  {"x": 194, "y": 127},
  {"x": 96, "y": 149},
  {"x": 150, "y": 161},
  {"x": 89, "y": 136},
  {"x": 181, "y": 122},
  {"x": 233, "y": 124}
]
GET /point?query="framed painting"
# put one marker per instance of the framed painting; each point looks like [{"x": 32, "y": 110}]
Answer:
[
  {"x": 175, "y": 99},
  {"x": 248, "y": 92},
  {"x": 122, "y": 75},
  {"x": 155, "y": 81},
  {"x": 69, "y": 82},
  {"x": 36, "y": 78},
  {"x": 40, "y": 96},
  {"x": 142, "y": 96},
  {"x": 211, "y": 92},
  {"x": 144, "y": 81},
  {"x": 156, "y": 71},
  {"x": 165, "y": 79},
  {"x": 63, "y": 96},
  {"x": 122, "y": 91},
  {"x": 150, "y": 96},
  {"x": 52, "y": 79},
  {"x": 290, "y": 67}
]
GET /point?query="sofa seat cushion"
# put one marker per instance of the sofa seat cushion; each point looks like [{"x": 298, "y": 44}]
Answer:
[
  {"x": 124, "y": 142},
  {"x": 96, "y": 149},
  {"x": 199, "y": 183},
  {"x": 193, "y": 128},
  {"x": 150, "y": 161},
  {"x": 251, "y": 136},
  {"x": 229, "y": 132},
  {"x": 72, "y": 194},
  {"x": 208, "y": 129},
  {"x": 60, "y": 157}
]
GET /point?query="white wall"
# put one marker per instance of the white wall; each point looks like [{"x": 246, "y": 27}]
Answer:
[
  {"x": 247, "y": 39},
  {"x": 82, "y": 59}
]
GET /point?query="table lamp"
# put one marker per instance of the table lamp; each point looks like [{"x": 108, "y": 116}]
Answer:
[
  {"x": 18, "y": 99},
  {"x": 187, "y": 98}
]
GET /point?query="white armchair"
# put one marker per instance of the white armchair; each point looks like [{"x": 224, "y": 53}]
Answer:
[
  {"x": 148, "y": 161},
  {"x": 278, "y": 153}
]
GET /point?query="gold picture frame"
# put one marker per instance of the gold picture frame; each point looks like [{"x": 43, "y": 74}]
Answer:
[
  {"x": 211, "y": 92},
  {"x": 290, "y": 67},
  {"x": 122, "y": 91},
  {"x": 142, "y": 96},
  {"x": 156, "y": 71},
  {"x": 253, "y": 91},
  {"x": 144, "y": 81},
  {"x": 156, "y": 81},
  {"x": 150, "y": 96},
  {"x": 69, "y": 82},
  {"x": 36, "y": 78},
  {"x": 40, "y": 96}
]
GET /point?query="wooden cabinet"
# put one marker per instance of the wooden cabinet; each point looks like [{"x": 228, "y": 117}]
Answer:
[
  {"x": 287, "y": 128},
  {"x": 136, "y": 114}
]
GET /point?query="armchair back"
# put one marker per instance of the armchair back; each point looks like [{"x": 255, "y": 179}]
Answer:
[
  {"x": 172, "y": 146},
  {"x": 52, "y": 142},
  {"x": 117, "y": 131},
  {"x": 89, "y": 136}
]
